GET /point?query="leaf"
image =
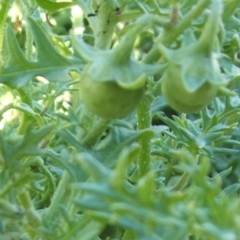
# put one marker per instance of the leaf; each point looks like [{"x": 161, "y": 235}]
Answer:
[
  {"x": 159, "y": 129},
  {"x": 70, "y": 139},
  {"x": 118, "y": 139},
  {"x": 109, "y": 149},
  {"x": 231, "y": 189},
  {"x": 28, "y": 145},
  {"x": 49, "y": 64},
  {"x": 224, "y": 173},
  {"x": 51, "y": 6},
  {"x": 17, "y": 146},
  {"x": 28, "y": 110}
]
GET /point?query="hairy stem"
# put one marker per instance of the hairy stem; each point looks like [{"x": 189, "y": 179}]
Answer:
[
  {"x": 144, "y": 121},
  {"x": 107, "y": 19},
  {"x": 26, "y": 98},
  {"x": 170, "y": 35},
  {"x": 4, "y": 7}
]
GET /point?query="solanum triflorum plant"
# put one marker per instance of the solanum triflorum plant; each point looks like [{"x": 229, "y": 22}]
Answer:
[{"x": 119, "y": 119}]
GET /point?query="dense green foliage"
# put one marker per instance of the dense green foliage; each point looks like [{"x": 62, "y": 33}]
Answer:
[{"x": 119, "y": 120}]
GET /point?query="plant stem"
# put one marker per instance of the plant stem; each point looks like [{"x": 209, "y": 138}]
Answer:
[
  {"x": 211, "y": 28},
  {"x": 107, "y": 20},
  {"x": 87, "y": 9},
  {"x": 144, "y": 121},
  {"x": 5, "y": 109},
  {"x": 93, "y": 136},
  {"x": 29, "y": 43},
  {"x": 169, "y": 37},
  {"x": 181, "y": 183},
  {"x": 123, "y": 51},
  {"x": 26, "y": 98},
  {"x": 171, "y": 34},
  {"x": 63, "y": 190},
  {"x": 33, "y": 217},
  {"x": 5, "y": 5}
]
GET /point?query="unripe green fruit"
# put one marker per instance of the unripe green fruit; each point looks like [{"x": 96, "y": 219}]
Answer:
[
  {"x": 107, "y": 99},
  {"x": 113, "y": 82},
  {"x": 179, "y": 98},
  {"x": 193, "y": 77}
]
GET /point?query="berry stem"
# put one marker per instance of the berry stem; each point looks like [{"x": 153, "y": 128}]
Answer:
[{"x": 170, "y": 35}]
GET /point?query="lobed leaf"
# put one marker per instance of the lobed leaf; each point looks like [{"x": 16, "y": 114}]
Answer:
[{"x": 17, "y": 70}]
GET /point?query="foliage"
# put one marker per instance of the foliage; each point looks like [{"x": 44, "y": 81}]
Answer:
[{"x": 168, "y": 169}]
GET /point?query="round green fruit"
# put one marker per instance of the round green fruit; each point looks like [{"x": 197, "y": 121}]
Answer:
[
  {"x": 179, "y": 98},
  {"x": 107, "y": 99}
]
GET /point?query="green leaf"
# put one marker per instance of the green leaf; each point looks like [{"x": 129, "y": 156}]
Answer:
[
  {"x": 49, "y": 63},
  {"x": 51, "y": 6},
  {"x": 70, "y": 139},
  {"x": 28, "y": 110},
  {"x": 117, "y": 140},
  {"x": 15, "y": 147},
  {"x": 232, "y": 189},
  {"x": 224, "y": 173}
]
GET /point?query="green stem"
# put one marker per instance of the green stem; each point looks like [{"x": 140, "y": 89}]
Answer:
[
  {"x": 93, "y": 136},
  {"x": 144, "y": 121},
  {"x": 181, "y": 183},
  {"x": 5, "y": 5},
  {"x": 29, "y": 43},
  {"x": 173, "y": 33},
  {"x": 211, "y": 28},
  {"x": 230, "y": 7},
  {"x": 63, "y": 190},
  {"x": 87, "y": 9},
  {"x": 27, "y": 10},
  {"x": 49, "y": 190},
  {"x": 5, "y": 109},
  {"x": 129, "y": 15},
  {"x": 107, "y": 20},
  {"x": 26, "y": 98},
  {"x": 32, "y": 216},
  {"x": 123, "y": 50}
]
